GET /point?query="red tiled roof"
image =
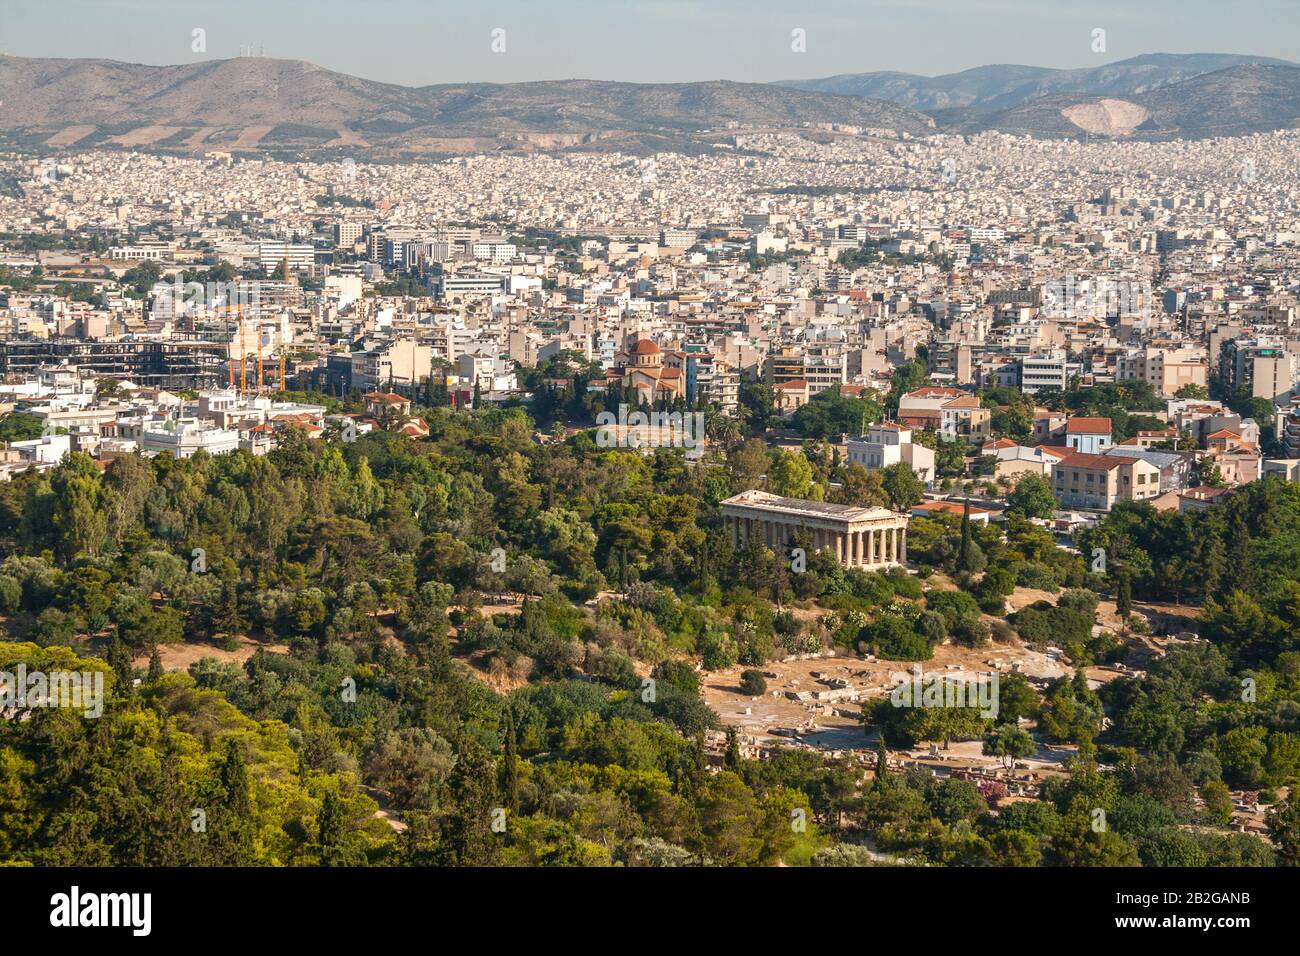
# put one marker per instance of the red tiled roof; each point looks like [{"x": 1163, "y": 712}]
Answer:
[
  {"x": 935, "y": 391},
  {"x": 1094, "y": 462},
  {"x": 949, "y": 507},
  {"x": 1088, "y": 426}
]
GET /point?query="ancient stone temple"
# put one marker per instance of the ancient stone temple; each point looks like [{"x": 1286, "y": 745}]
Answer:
[{"x": 858, "y": 537}]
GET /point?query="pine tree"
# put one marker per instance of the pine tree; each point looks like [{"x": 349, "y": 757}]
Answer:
[
  {"x": 224, "y": 617},
  {"x": 155, "y": 665},
  {"x": 1241, "y": 576}
]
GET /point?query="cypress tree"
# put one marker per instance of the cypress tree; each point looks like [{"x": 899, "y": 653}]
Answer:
[
  {"x": 511, "y": 768},
  {"x": 332, "y": 833},
  {"x": 699, "y": 766},
  {"x": 882, "y": 763},
  {"x": 731, "y": 759},
  {"x": 119, "y": 658},
  {"x": 965, "y": 532},
  {"x": 1124, "y": 597}
]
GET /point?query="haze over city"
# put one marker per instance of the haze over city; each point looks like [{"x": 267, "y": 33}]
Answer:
[{"x": 417, "y": 42}]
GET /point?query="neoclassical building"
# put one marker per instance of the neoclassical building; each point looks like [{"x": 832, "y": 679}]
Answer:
[
  {"x": 858, "y": 537},
  {"x": 648, "y": 371}
]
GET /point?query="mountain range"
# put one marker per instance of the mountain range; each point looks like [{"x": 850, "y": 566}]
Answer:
[
  {"x": 1237, "y": 101},
  {"x": 1005, "y": 86},
  {"x": 261, "y": 103},
  {"x": 294, "y": 107}
]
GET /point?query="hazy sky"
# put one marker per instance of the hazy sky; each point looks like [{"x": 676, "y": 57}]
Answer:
[{"x": 435, "y": 41}]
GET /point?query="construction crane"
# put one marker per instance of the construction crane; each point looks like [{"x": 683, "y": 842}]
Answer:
[{"x": 230, "y": 362}]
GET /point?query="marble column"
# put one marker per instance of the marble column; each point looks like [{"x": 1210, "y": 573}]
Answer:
[{"x": 839, "y": 548}]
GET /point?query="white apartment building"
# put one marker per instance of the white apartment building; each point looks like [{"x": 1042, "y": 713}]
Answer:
[
  {"x": 469, "y": 283},
  {"x": 48, "y": 449},
  {"x": 888, "y": 443},
  {"x": 498, "y": 252},
  {"x": 185, "y": 437},
  {"x": 300, "y": 255},
  {"x": 1051, "y": 369}
]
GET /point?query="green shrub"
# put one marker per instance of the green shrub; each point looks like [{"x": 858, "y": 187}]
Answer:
[{"x": 753, "y": 683}]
